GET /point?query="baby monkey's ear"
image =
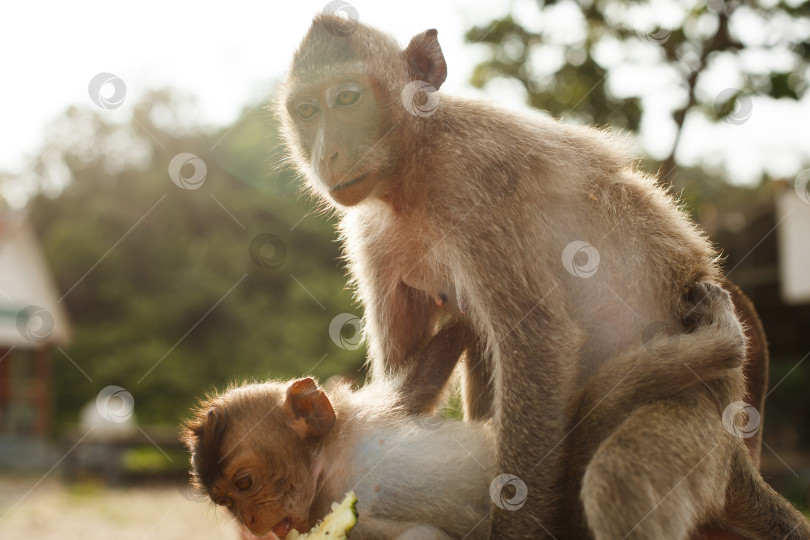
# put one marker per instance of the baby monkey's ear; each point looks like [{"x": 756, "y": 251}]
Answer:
[{"x": 310, "y": 410}]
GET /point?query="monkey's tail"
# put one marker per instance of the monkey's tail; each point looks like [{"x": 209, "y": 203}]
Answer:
[{"x": 755, "y": 510}]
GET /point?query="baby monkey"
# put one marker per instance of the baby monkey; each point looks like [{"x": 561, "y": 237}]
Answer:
[{"x": 277, "y": 454}]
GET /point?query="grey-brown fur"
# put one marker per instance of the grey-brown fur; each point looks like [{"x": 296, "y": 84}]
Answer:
[
  {"x": 478, "y": 204},
  {"x": 696, "y": 472}
]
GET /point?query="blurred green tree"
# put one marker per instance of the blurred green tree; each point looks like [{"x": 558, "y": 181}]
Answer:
[
  {"x": 568, "y": 56},
  {"x": 162, "y": 283}
]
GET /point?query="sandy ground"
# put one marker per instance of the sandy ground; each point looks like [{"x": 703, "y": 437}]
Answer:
[{"x": 52, "y": 511}]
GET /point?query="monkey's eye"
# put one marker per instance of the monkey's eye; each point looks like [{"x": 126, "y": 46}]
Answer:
[
  {"x": 244, "y": 483},
  {"x": 306, "y": 110},
  {"x": 347, "y": 97}
]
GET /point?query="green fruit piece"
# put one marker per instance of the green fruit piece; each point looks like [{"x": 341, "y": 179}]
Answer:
[{"x": 336, "y": 525}]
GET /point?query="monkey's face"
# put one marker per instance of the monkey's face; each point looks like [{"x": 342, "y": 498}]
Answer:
[
  {"x": 255, "y": 452},
  {"x": 342, "y": 105},
  {"x": 338, "y": 127},
  {"x": 269, "y": 500}
]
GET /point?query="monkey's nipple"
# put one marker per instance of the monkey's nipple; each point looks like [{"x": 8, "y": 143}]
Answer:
[{"x": 441, "y": 299}]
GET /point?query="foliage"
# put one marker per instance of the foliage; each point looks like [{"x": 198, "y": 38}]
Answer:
[
  {"x": 150, "y": 460},
  {"x": 567, "y": 56},
  {"x": 160, "y": 277}
]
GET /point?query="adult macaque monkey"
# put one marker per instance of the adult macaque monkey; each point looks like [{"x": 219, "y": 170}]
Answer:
[
  {"x": 277, "y": 454},
  {"x": 557, "y": 251}
]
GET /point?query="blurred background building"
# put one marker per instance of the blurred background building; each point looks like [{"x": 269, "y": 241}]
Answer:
[{"x": 32, "y": 324}]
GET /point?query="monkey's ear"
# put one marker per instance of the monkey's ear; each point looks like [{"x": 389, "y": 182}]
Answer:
[
  {"x": 425, "y": 58},
  {"x": 311, "y": 410}
]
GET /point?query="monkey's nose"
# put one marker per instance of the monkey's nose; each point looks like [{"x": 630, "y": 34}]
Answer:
[{"x": 327, "y": 164}]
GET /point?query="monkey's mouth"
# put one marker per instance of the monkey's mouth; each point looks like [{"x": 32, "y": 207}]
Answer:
[
  {"x": 283, "y": 528},
  {"x": 348, "y": 183}
]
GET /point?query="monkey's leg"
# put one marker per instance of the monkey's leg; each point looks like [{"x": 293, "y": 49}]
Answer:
[
  {"x": 478, "y": 397},
  {"x": 756, "y": 382},
  {"x": 754, "y": 509},
  {"x": 667, "y": 365},
  {"x": 663, "y": 367},
  {"x": 659, "y": 474},
  {"x": 533, "y": 375},
  {"x": 433, "y": 364},
  {"x": 756, "y": 362}
]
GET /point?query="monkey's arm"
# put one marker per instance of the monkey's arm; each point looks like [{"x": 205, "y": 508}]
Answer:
[
  {"x": 432, "y": 365},
  {"x": 398, "y": 319},
  {"x": 477, "y": 383},
  {"x": 667, "y": 365}
]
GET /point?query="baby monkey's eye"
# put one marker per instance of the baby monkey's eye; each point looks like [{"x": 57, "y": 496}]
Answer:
[
  {"x": 306, "y": 110},
  {"x": 347, "y": 97},
  {"x": 244, "y": 483}
]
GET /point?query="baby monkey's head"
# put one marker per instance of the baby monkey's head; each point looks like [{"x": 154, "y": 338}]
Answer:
[{"x": 254, "y": 451}]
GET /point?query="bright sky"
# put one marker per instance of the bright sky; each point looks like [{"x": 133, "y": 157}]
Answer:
[{"x": 229, "y": 54}]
